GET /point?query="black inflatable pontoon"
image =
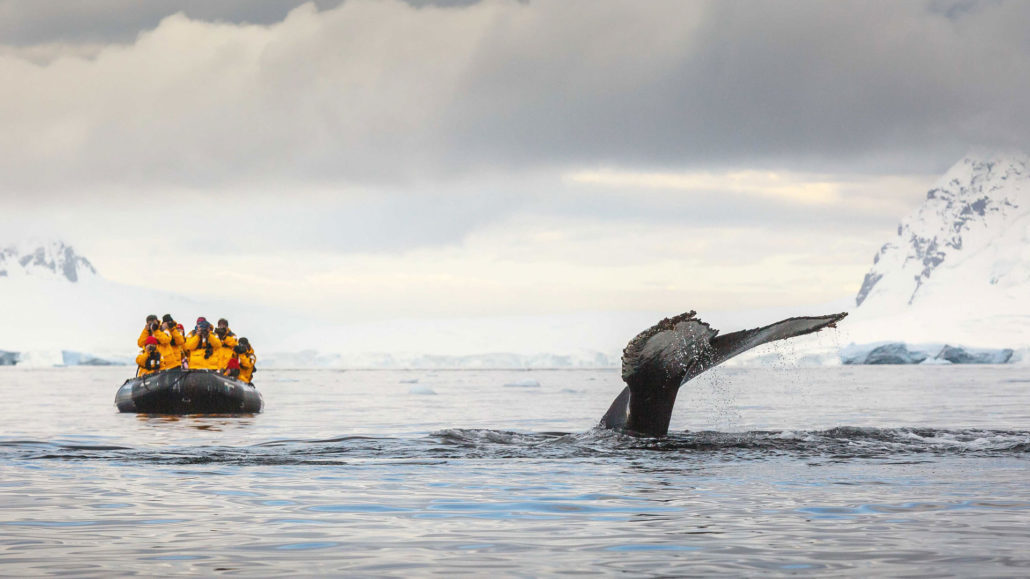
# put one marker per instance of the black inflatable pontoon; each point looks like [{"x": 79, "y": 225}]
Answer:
[{"x": 179, "y": 391}]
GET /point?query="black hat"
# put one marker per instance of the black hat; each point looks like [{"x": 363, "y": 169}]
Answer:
[
  {"x": 151, "y": 318},
  {"x": 167, "y": 318}
]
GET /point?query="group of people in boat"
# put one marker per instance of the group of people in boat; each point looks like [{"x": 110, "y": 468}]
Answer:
[{"x": 205, "y": 347}]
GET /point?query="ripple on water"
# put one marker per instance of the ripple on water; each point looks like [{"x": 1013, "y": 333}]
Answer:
[
  {"x": 484, "y": 480},
  {"x": 306, "y": 546},
  {"x": 358, "y": 509}
]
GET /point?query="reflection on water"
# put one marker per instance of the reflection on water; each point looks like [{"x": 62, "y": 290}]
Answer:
[
  {"x": 877, "y": 473},
  {"x": 211, "y": 422}
]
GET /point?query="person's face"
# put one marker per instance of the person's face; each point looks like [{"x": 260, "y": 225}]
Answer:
[
  {"x": 223, "y": 325},
  {"x": 151, "y": 347}
]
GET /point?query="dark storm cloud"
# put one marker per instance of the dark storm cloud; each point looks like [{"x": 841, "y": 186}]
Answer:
[
  {"x": 374, "y": 93},
  {"x": 880, "y": 85},
  {"x": 28, "y": 22}
]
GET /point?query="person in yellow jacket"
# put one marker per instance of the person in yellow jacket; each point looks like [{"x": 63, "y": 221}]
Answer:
[
  {"x": 149, "y": 360},
  {"x": 154, "y": 330},
  {"x": 228, "y": 339},
  {"x": 182, "y": 348},
  {"x": 171, "y": 353},
  {"x": 245, "y": 354},
  {"x": 201, "y": 345}
]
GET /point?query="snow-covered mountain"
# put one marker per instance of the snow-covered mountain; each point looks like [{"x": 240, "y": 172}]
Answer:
[
  {"x": 53, "y": 299},
  {"x": 956, "y": 274},
  {"x": 959, "y": 268},
  {"x": 974, "y": 220},
  {"x": 56, "y": 309},
  {"x": 51, "y": 260}
]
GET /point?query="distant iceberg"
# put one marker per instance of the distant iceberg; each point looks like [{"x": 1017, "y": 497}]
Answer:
[
  {"x": 56, "y": 358},
  {"x": 70, "y": 358},
  {"x": 957, "y": 355},
  {"x": 40, "y": 359},
  {"x": 894, "y": 353},
  {"x": 902, "y": 353}
]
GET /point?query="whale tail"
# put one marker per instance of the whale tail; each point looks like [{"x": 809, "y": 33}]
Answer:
[{"x": 663, "y": 357}]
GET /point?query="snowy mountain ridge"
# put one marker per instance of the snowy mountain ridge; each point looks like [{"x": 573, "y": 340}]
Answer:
[
  {"x": 52, "y": 299},
  {"x": 53, "y": 258},
  {"x": 958, "y": 270},
  {"x": 971, "y": 209},
  {"x": 953, "y": 282}
]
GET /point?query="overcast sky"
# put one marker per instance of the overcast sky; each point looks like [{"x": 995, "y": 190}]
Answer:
[{"x": 372, "y": 160}]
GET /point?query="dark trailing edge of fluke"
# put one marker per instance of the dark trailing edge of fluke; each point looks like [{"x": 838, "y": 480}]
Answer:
[{"x": 665, "y": 356}]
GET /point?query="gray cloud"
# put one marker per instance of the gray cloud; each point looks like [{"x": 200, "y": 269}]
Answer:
[
  {"x": 880, "y": 85},
  {"x": 431, "y": 119},
  {"x": 900, "y": 86},
  {"x": 29, "y": 22}
]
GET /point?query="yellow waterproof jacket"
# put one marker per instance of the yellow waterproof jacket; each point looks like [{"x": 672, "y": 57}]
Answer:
[
  {"x": 169, "y": 353},
  {"x": 197, "y": 354},
  {"x": 173, "y": 358},
  {"x": 146, "y": 365},
  {"x": 162, "y": 337},
  {"x": 225, "y": 352},
  {"x": 247, "y": 362}
]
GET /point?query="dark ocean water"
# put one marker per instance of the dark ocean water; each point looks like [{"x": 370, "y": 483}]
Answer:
[{"x": 859, "y": 471}]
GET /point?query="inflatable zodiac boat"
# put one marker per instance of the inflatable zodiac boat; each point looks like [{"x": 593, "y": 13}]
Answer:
[{"x": 179, "y": 391}]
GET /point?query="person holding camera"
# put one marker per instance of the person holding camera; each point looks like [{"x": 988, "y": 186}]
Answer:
[
  {"x": 153, "y": 329},
  {"x": 149, "y": 360},
  {"x": 171, "y": 353},
  {"x": 201, "y": 345},
  {"x": 228, "y": 339},
  {"x": 246, "y": 358}
]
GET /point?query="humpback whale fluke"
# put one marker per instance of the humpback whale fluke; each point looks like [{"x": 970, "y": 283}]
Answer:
[{"x": 668, "y": 354}]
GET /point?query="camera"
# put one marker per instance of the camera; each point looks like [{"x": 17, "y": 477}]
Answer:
[
  {"x": 239, "y": 349},
  {"x": 153, "y": 326}
]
